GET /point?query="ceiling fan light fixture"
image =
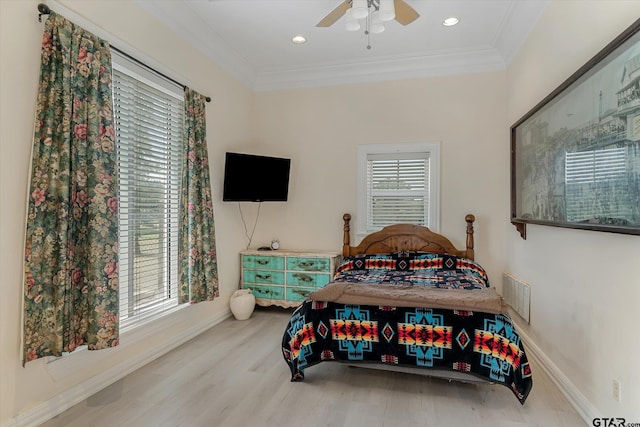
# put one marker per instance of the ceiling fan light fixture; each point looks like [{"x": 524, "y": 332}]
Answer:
[
  {"x": 372, "y": 14},
  {"x": 377, "y": 26},
  {"x": 387, "y": 10},
  {"x": 351, "y": 23},
  {"x": 359, "y": 9}
]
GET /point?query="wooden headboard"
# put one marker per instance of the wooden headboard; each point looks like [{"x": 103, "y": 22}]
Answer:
[{"x": 406, "y": 237}]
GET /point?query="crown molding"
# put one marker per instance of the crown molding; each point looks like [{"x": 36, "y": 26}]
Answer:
[
  {"x": 185, "y": 22},
  {"x": 515, "y": 27},
  {"x": 394, "y": 68}
]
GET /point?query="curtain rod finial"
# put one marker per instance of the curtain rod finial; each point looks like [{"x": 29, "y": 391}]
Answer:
[{"x": 44, "y": 10}]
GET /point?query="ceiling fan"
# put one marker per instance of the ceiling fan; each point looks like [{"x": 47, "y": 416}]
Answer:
[{"x": 404, "y": 13}]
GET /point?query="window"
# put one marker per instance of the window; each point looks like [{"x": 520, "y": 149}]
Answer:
[
  {"x": 595, "y": 182},
  {"x": 398, "y": 183},
  {"x": 149, "y": 118}
]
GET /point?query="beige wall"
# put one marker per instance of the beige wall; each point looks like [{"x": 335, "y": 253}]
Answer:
[
  {"x": 23, "y": 389},
  {"x": 321, "y": 128},
  {"x": 585, "y": 285},
  {"x": 587, "y": 334}
]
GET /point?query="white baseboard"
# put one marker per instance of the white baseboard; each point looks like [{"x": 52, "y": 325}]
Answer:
[
  {"x": 581, "y": 404},
  {"x": 52, "y": 407}
]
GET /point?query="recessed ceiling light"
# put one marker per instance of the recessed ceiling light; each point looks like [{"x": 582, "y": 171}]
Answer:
[
  {"x": 449, "y": 22},
  {"x": 299, "y": 39}
]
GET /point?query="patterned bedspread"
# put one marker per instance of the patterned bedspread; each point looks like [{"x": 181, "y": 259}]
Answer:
[
  {"x": 414, "y": 269},
  {"x": 483, "y": 344}
]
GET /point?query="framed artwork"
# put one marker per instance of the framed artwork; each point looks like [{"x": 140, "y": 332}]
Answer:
[{"x": 575, "y": 157}]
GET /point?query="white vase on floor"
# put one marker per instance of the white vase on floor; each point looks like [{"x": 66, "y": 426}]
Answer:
[{"x": 242, "y": 304}]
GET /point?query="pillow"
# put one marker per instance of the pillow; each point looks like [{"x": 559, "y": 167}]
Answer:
[
  {"x": 411, "y": 261},
  {"x": 376, "y": 267},
  {"x": 402, "y": 260},
  {"x": 367, "y": 262},
  {"x": 449, "y": 263}
]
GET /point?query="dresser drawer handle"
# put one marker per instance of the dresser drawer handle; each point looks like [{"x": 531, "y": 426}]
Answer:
[
  {"x": 304, "y": 278},
  {"x": 306, "y": 264},
  {"x": 262, "y": 261},
  {"x": 263, "y": 276}
]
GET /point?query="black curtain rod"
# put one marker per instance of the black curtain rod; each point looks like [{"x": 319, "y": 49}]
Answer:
[{"x": 43, "y": 9}]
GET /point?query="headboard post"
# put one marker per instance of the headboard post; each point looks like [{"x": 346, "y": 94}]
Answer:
[
  {"x": 470, "y": 219},
  {"x": 346, "y": 239}
]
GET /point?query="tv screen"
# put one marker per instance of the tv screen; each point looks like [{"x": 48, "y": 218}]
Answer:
[{"x": 251, "y": 178}]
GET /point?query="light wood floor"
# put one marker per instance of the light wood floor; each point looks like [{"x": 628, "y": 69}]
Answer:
[{"x": 234, "y": 375}]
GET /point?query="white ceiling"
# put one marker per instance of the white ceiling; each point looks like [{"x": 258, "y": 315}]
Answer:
[{"x": 251, "y": 39}]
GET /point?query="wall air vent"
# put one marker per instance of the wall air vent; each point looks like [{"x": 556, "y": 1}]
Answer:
[{"x": 517, "y": 294}]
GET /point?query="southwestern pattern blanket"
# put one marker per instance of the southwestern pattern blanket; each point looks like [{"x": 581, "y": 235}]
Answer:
[{"x": 485, "y": 345}]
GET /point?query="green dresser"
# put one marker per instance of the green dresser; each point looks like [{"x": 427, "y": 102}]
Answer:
[{"x": 285, "y": 278}]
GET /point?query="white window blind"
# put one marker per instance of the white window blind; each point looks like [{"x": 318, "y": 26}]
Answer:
[
  {"x": 398, "y": 183},
  {"x": 593, "y": 179},
  {"x": 149, "y": 124},
  {"x": 397, "y": 189},
  {"x": 595, "y": 165}
]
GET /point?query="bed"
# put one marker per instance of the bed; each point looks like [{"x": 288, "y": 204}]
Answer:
[{"x": 407, "y": 299}]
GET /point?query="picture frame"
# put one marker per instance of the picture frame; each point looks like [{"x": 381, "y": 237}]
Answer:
[{"x": 575, "y": 157}]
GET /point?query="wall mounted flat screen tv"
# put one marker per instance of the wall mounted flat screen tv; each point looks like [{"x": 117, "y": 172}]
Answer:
[{"x": 251, "y": 178}]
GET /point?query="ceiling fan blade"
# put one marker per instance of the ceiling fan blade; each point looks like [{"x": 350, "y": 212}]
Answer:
[
  {"x": 405, "y": 14},
  {"x": 334, "y": 15}
]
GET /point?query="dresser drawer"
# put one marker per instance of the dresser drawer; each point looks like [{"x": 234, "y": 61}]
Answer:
[
  {"x": 267, "y": 292},
  {"x": 309, "y": 280},
  {"x": 298, "y": 294},
  {"x": 285, "y": 278},
  {"x": 264, "y": 262},
  {"x": 264, "y": 276},
  {"x": 308, "y": 264}
]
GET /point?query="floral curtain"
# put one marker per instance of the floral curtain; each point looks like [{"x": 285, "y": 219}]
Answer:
[
  {"x": 197, "y": 263},
  {"x": 71, "y": 251}
]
